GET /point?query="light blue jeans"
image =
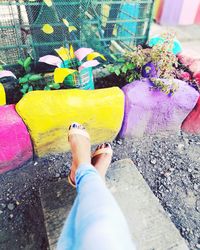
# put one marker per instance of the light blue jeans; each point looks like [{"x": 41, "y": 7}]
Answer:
[{"x": 95, "y": 221}]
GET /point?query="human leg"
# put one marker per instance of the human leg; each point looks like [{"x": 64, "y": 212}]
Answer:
[{"x": 95, "y": 221}]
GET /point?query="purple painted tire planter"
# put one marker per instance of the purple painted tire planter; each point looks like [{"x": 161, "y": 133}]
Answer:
[
  {"x": 152, "y": 111},
  {"x": 15, "y": 142}
]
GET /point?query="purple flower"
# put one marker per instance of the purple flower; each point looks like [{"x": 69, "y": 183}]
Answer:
[{"x": 149, "y": 70}]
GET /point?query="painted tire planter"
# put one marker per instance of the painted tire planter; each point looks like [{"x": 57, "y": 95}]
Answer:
[
  {"x": 191, "y": 124},
  {"x": 152, "y": 111},
  {"x": 48, "y": 115},
  {"x": 15, "y": 142},
  {"x": 2, "y": 95}
]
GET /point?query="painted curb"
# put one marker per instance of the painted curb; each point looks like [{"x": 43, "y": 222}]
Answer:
[
  {"x": 191, "y": 124},
  {"x": 48, "y": 115},
  {"x": 2, "y": 95},
  {"x": 15, "y": 142},
  {"x": 152, "y": 111}
]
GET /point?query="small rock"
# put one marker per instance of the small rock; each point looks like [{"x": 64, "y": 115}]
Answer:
[
  {"x": 11, "y": 206},
  {"x": 3, "y": 205},
  {"x": 167, "y": 174},
  {"x": 189, "y": 170},
  {"x": 180, "y": 146},
  {"x": 119, "y": 142},
  {"x": 195, "y": 187},
  {"x": 11, "y": 216},
  {"x": 153, "y": 161},
  {"x": 35, "y": 163},
  {"x": 198, "y": 205},
  {"x": 57, "y": 175},
  {"x": 1, "y": 211},
  {"x": 198, "y": 246}
]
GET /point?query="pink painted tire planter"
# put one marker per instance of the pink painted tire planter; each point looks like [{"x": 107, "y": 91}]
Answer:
[
  {"x": 15, "y": 142},
  {"x": 191, "y": 124}
]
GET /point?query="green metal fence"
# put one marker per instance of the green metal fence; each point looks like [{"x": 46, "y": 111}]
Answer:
[{"x": 106, "y": 26}]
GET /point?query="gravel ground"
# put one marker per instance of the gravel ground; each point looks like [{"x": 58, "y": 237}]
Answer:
[{"x": 169, "y": 164}]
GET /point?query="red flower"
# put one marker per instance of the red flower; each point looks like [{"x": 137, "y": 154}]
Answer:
[
  {"x": 185, "y": 76},
  {"x": 197, "y": 77}
]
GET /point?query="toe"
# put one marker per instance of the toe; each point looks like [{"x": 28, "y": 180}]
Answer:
[{"x": 107, "y": 145}]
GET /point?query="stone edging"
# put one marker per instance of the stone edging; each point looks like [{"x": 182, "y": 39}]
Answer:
[{"x": 132, "y": 111}]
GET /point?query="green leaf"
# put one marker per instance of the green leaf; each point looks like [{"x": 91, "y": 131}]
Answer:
[
  {"x": 131, "y": 78},
  {"x": 23, "y": 91},
  {"x": 117, "y": 71},
  {"x": 23, "y": 79},
  {"x": 35, "y": 77},
  {"x": 30, "y": 89},
  {"x": 25, "y": 86},
  {"x": 124, "y": 68},
  {"x": 121, "y": 60},
  {"x": 130, "y": 66},
  {"x": 20, "y": 62},
  {"x": 27, "y": 62},
  {"x": 113, "y": 56},
  {"x": 47, "y": 88},
  {"x": 111, "y": 69},
  {"x": 1, "y": 67},
  {"x": 55, "y": 86}
]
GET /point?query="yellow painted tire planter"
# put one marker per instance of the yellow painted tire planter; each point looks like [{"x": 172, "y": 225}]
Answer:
[
  {"x": 2, "y": 95},
  {"x": 48, "y": 115}
]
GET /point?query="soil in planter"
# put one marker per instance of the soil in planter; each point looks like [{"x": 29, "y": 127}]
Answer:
[
  {"x": 12, "y": 89},
  {"x": 111, "y": 80}
]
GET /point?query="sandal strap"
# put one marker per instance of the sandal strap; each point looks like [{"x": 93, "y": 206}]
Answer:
[
  {"x": 70, "y": 181},
  {"x": 103, "y": 151},
  {"x": 78, "y": 131}
]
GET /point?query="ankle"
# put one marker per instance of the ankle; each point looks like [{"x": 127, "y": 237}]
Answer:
[{"x": 86, "y": 161}]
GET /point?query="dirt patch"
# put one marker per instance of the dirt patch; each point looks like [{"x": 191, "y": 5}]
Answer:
[{"x": 169, "y": 164}]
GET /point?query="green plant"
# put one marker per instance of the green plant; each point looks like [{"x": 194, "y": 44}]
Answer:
[
  {"x": 28, "y": 81},
  {"x": 153, "y": 63}
]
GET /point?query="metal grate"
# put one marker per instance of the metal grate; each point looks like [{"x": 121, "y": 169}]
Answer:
[{"x": 102, "y": 25}]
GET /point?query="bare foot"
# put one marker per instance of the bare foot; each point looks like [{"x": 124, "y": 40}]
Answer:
[
  {"x": 80, "y": 148},
  {"x": 102, "y": 161}
]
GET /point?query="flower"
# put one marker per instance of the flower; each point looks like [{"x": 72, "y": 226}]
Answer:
[
  {"x": 197, "y": 78},
  {"x": 71, "y": 61},
  {"x": 6, "y": 73},
  {"x": 185, "y": 76},
  {"x": 149, "y": 70}
]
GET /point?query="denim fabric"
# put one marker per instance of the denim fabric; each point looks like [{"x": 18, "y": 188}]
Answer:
[{"x": 95, "y": 221}]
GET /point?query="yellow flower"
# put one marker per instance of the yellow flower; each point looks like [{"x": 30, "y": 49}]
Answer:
[
  {"x": 48, "y": 2},
  {"x": 63, "y": 53},
  {"x": 61, "y": 73}
]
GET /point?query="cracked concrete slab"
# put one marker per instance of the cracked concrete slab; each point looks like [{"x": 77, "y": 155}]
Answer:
[{"x": 150, "y": 226}]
